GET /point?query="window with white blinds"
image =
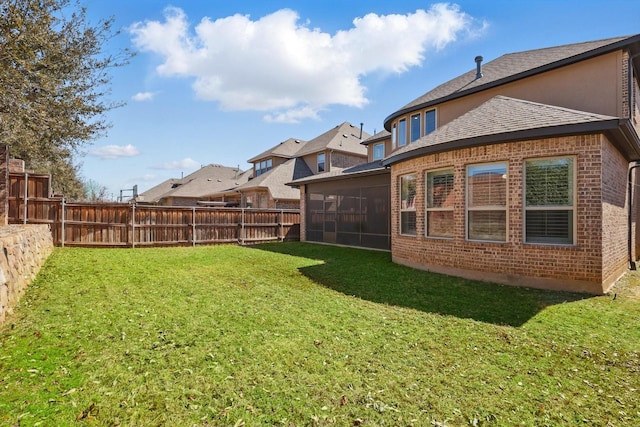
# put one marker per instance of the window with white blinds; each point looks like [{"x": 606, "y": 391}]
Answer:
[{"x": 550, "y": 200}]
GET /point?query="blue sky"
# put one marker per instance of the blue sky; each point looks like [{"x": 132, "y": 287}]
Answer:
[{"x": 221, "y": 81}]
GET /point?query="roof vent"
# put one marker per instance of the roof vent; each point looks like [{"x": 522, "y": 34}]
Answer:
[{"x": 478, "y": 66}]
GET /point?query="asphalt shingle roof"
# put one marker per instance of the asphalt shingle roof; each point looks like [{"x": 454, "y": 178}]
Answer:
[
  {"x": 513, "y": 66},
  {"x": 286, "y": 149},
  {"x": 499, "y": 119},
  {"x": 344, "y": 137},
  {"x": 276, "y": 179},
  {"x": 207, "y": 179}
]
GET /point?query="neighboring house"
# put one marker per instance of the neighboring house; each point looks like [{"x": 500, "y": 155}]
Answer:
[
  {"x": 527, "y": 175},
  {"x": 293, "y": 159},
  {"x": 191, "y": 189},
  {"x": 338, "y": 148},
  {"x": 349, "y": 206},
  {"x": 265, "y": 187}
]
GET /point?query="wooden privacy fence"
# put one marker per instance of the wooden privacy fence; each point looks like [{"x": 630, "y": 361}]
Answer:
[{"x": 133, "y": 225}]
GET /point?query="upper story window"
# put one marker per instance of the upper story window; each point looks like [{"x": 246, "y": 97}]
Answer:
[
  {"x": 321, "y": 162},
  {"x": 394, "y": 136},
  {"x": 402, "y": 132},
  {"x": 378, "y": 151},
  {"x": 429, "y": 121},
  {"x": 439, "y": 204},
  {"x": 487, "y": 202},
  {"x": 415, "y": 127},
  {"x": 263, "y": 166},
  {"x": 549, "y": 200},
  {"x": 408, "y": 204}
]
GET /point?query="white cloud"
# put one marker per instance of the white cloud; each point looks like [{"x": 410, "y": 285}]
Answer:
[
  {"x": 187, "y": 163},
  {"x": 114, "y": 151},
  {"x": 278, "y": 65},
  {"x": 143, "y": 96}
]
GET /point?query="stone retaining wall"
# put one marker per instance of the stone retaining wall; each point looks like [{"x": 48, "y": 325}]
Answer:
[{"x": 23, "y": 251}]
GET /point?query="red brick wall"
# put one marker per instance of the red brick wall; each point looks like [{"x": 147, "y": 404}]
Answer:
[
  {"x": 615, "y": 214},
  {"x": 582, "y": 267}
]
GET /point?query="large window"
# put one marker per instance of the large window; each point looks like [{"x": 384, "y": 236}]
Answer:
[
  {"x": 487, "y": 202},
  {"x": 549, "y": 200},
  {"x": 408, "y": 204},
  {"x": 415, "y": 127},
  {"x": 429, "y": 121},
  {"x": 402, "y": 133},
  {"x": 439, "y": 206},
  {"x": 378, "y": 151},
  {"x": 321, "y": 162}
]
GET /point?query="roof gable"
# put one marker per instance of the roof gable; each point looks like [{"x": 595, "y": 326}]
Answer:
[
  {"x": 286, "y": 149},
  {"x": 344, "y": 137},
  {"x": 502, "y": 119}
]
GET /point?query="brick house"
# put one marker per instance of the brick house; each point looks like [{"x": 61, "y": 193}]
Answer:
[{"x": 526, "y": 174}]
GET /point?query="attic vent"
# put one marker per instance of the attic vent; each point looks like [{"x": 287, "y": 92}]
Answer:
[
  {"x": 478, "y": 66},
  {"x": 344, "y": 135}
]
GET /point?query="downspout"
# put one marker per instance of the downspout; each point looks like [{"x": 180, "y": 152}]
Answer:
[{"x": 632, "y": 262}]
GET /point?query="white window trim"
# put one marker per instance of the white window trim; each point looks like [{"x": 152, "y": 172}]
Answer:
[
  {"x": 427, "y": 209},
  {"x": 486, "y": 208},
  {"x": 401, "y": 210},
  {"x": 550, "y": 208}
]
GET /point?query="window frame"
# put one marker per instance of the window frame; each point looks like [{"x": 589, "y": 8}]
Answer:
[
  {"x": 573, "y": 207},
  {"x": 379, "y": 144},
  {"x": 410, "y": 207},
  {"x": 323, "y": 162},
  {"x": 413, "y": 135},
  {"x": 428, "y": 209},
  {"x": 435, "y": 121},
  {"x": 487, "y": 208},
  {"x": 402, "y": 132}
]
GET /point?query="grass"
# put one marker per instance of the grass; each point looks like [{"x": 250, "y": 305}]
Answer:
[{"x": 296, "y": 334}]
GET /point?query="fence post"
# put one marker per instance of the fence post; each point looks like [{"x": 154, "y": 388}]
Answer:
[
  {"x": 193, "y": 225},
  {"x": 281, "y": 236},
  {"x": 62, "y": 221},
  {"x": 26, "y": 197},
  {"x": 242, "y": 228},
  {"x": 133, "y": 225}
]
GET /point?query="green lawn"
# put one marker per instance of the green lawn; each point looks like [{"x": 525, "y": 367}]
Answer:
[{"x": 296, "y": 334}]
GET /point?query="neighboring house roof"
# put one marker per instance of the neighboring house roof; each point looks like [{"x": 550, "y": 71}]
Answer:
[
  {"x": 286, "y": 149},
  {"x": 379, "y": 136},
  {"x": 277, "y": 178},
  {"x": 503, "y": 119},
  {"x": 364, "y": 169},
  {"x": 207, "y": 179},
  {"x": 344, "y": 137},
  {"x": 515, "y": 66},
  {"x": 155, "y": 193}
]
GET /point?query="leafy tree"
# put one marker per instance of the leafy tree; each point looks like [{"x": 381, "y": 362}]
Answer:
[
  {"x": 54, "y": 78},
  {"x": 95, "y": 192}
]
